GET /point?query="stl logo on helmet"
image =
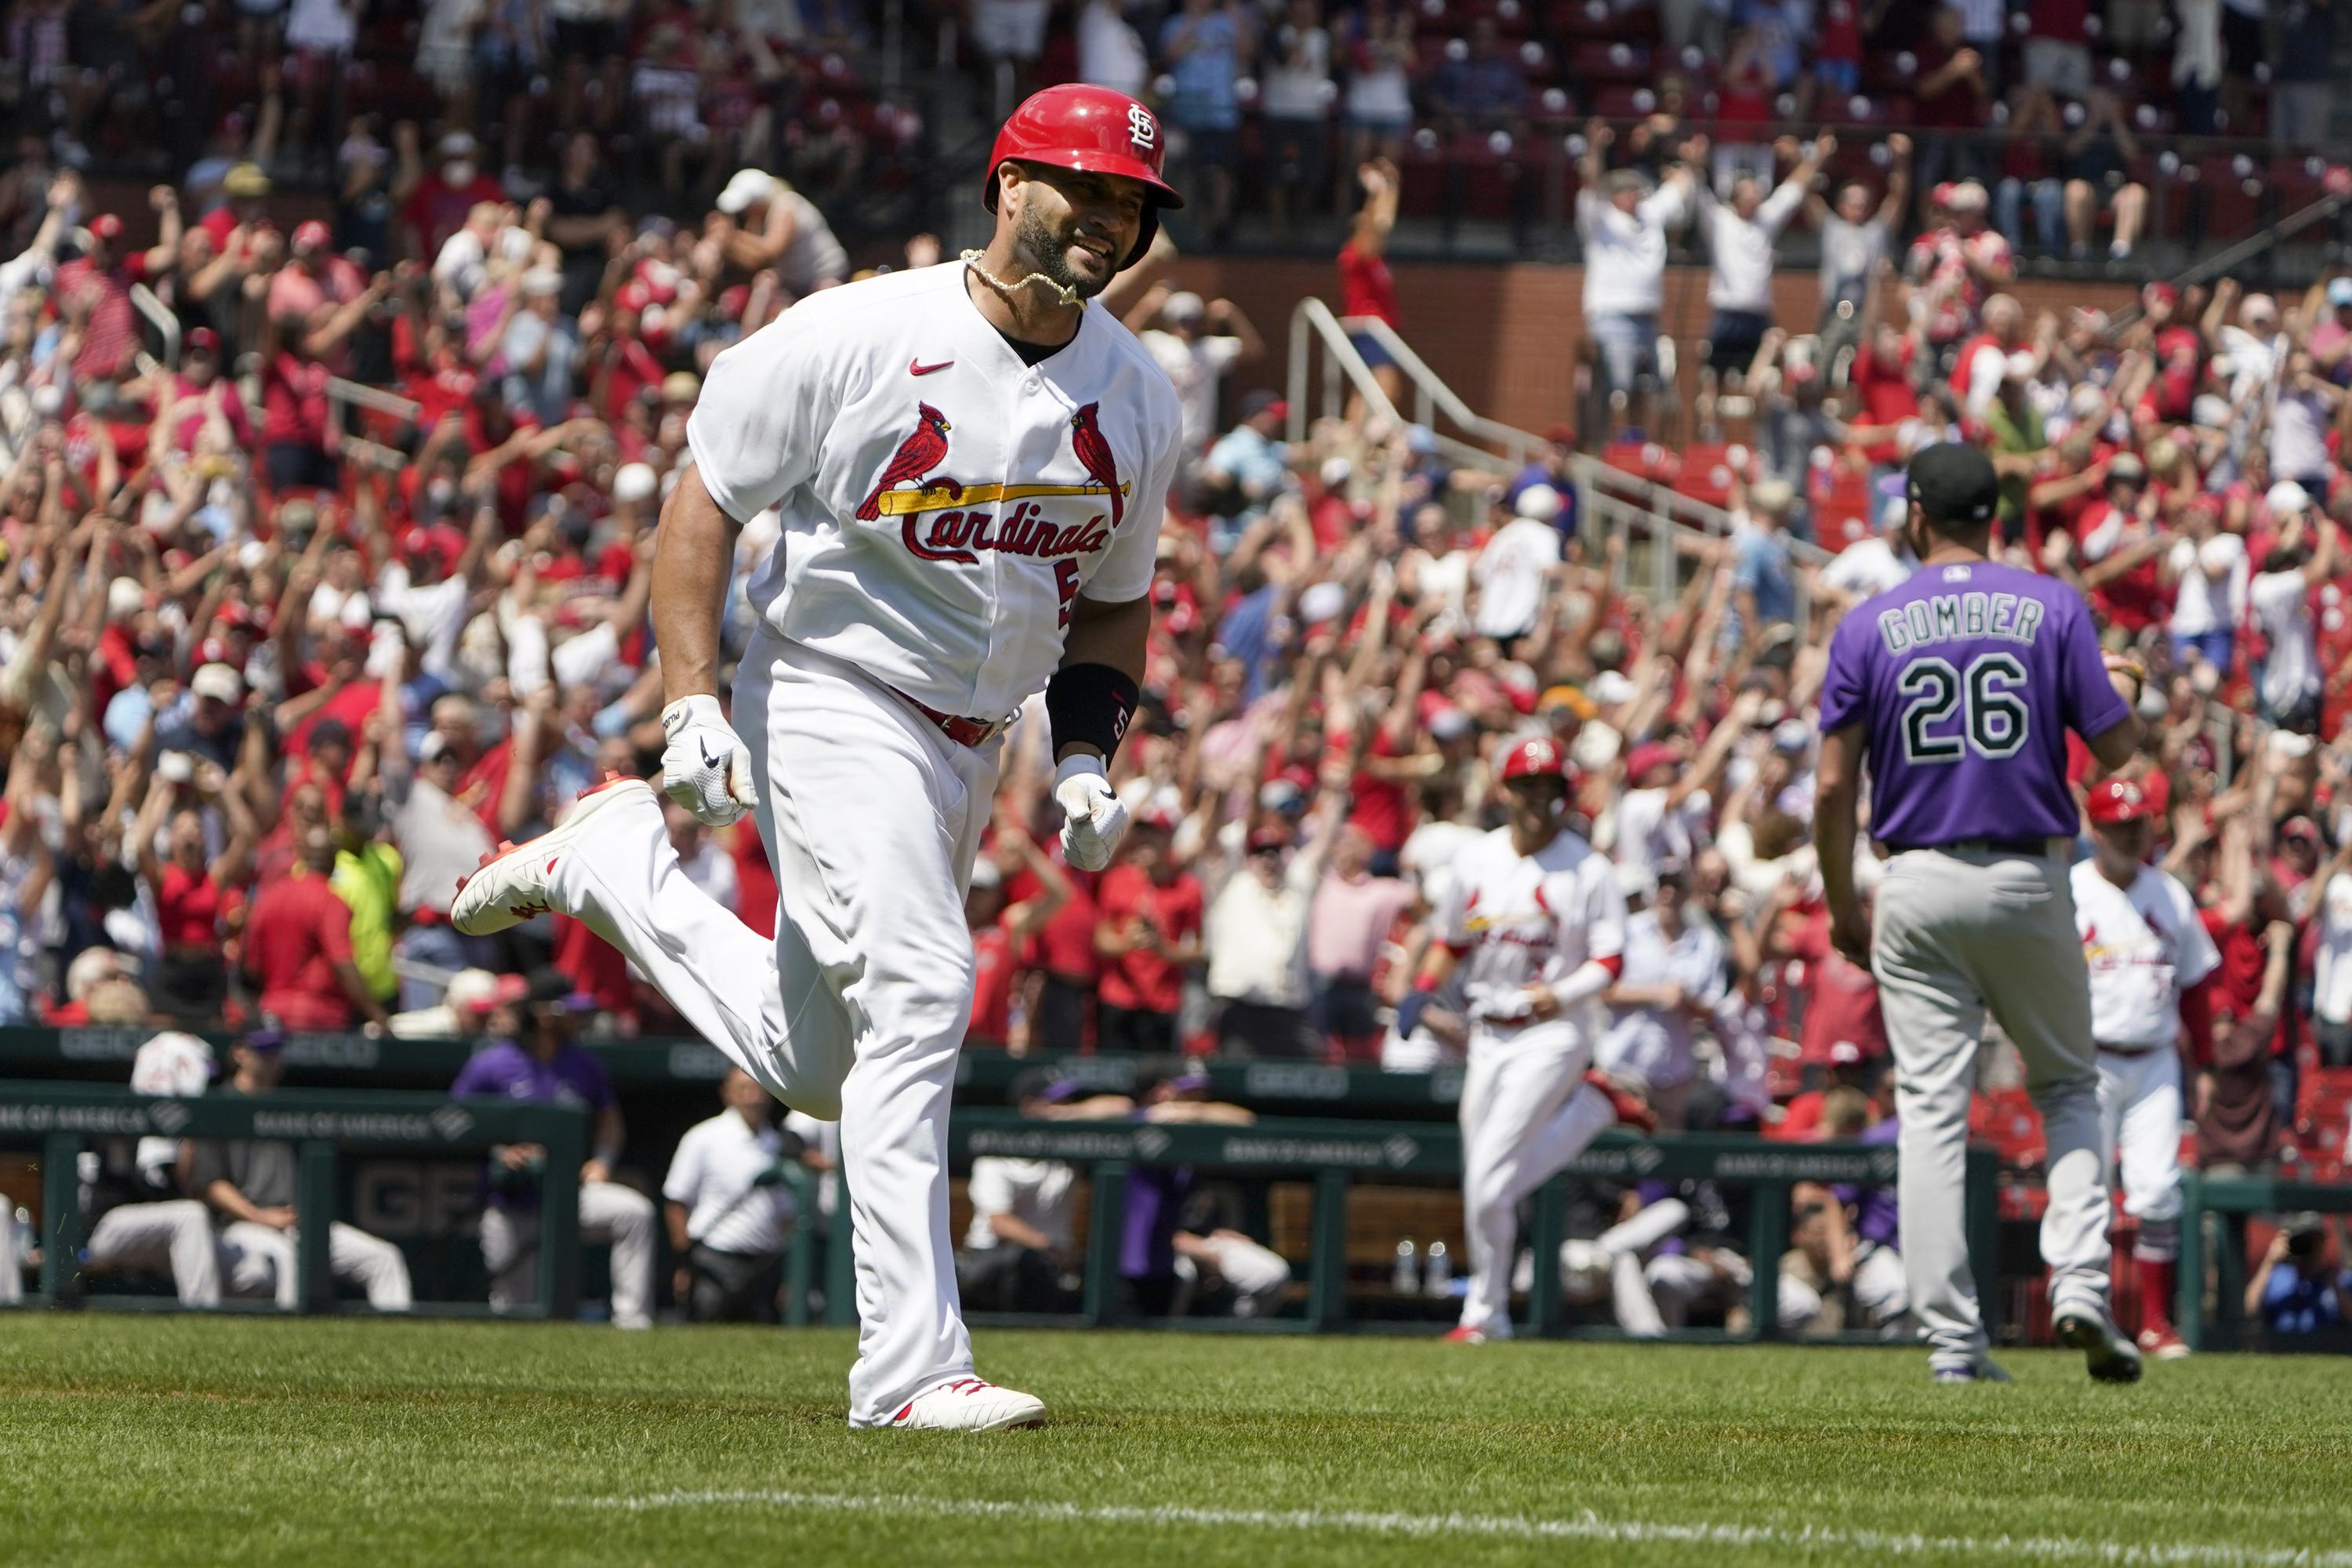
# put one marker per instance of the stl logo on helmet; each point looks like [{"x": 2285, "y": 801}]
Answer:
[
  {"x": 1140, "y": 128},
  {"x": 943, "y": 520}
]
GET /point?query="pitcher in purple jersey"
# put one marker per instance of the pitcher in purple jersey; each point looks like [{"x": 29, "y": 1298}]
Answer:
[{"x": 1955, "y": 691}]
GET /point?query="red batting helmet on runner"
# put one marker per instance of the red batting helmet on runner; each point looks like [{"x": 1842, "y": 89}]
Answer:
[
  {"x": 1537, "y": 758},
  {"x": 1095, "y": 130}
]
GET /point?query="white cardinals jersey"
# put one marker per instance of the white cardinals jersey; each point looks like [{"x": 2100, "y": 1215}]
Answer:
[
  {"x": 2145, "y": 947},
  {"x": 942, "y": 503},
  {"x": 1518, "y": 920}
]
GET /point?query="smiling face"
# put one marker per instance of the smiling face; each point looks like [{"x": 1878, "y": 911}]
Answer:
[{"x": 1071, "y": 227}]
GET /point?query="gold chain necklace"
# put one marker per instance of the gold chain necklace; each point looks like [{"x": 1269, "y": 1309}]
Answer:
[{"x": 1067, "y": 296}]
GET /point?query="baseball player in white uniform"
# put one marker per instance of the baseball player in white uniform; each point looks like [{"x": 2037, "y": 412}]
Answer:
[
  {"x": 2150, "y": 956},
  {"x": 970, "y": 467},
  {"x": 1534, "y": 922}
]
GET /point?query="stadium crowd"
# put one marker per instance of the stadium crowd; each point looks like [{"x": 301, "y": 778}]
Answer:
[
  {"x": 283, "y": 659},
  {"x": 1272, "y": 102}
]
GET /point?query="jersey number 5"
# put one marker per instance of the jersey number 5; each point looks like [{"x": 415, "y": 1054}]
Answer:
[{"x": 1994, "y": 720}]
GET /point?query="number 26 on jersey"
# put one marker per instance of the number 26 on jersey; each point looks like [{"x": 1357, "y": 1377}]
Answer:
[{"x": 1948, "y": 712}]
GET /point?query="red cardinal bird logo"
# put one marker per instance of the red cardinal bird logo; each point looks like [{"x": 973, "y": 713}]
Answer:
[
  {"x": 1094, "y": 452},
  {"x": 917, "y": 456}
]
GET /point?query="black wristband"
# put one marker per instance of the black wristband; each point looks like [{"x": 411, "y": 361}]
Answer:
[{"x": 1089, "y": 705}]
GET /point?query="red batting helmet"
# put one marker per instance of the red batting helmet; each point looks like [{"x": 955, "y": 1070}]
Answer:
[
  {"x": 2121, "y": 800},
  {"x": 1537, "y": 758},
  {"x": 1095, "y": 130}
]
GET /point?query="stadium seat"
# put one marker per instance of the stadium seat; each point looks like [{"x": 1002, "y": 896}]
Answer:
[
  {"x": 1705, "y": 471},
  {"x": 1843, "y": 504},
  {"x": 1643, "y": 459},
  {"x": 2232, "y": 196},
  {"x": 1619, "y": 100},
  {"x": 2014, "y": 1129},
  {"x": 2325, "y": 1101},
  {"x": 1595, "y": 61}
]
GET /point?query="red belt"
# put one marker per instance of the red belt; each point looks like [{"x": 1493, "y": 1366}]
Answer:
[
  {"x": 423, "y": 917},
  {"x": 974, "y": 732}
]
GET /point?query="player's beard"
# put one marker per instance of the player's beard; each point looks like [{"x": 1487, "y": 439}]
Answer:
[{"x": 1039, "y": 247}]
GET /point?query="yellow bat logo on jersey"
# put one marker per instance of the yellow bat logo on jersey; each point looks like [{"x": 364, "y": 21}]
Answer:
[{"x": 900, "y": 503}]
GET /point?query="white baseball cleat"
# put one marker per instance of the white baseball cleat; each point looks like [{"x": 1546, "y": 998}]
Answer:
[
  {"x": 2110, "y": 1357},
  {"x": 511, "y": 884},
  {"x": 968, "y": 1404}
]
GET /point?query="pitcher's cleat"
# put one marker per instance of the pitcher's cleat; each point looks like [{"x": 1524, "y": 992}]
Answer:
[
  {"x": 1463, "y": 1335},
  {"x": 2110, "y": 1357},
  {"x": 1630, "y": 1109},
  {"x": 511, "y": 884},
  {"x": 1979, "y": 1370},
  {"x": 969, "y": 1404},
  {"x": 2162, "y": 1344}
]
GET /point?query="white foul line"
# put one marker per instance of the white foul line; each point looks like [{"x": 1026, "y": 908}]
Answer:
[{"x": 1584, "y": 1527}]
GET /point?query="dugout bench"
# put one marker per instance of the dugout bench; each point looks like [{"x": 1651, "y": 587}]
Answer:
[
  {"x": 2232, "y": 1201},
  {"x": 1333, "y": 1156},
  {"x": 1329, "y": 1156},
  {"x": 61, "y": 1120}
]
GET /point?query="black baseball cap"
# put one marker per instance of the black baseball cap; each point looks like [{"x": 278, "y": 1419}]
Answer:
[{"x": 1955, "y": 484}]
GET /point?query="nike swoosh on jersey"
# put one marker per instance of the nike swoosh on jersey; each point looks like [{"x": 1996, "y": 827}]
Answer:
[{"x": 917, "y": 367}]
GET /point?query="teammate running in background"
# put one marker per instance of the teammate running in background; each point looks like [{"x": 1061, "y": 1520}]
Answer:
[
  {"x": 1957, "y": 690},
  {"x": 1534, "y": 919},
  {"x": 2150, "y": 956},
  {"x": 971, "y": 468}
]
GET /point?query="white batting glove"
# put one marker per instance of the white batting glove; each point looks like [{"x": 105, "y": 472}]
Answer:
[
  {"x": 705, "y": 767},
  {"x": 1096, "y": 818}
]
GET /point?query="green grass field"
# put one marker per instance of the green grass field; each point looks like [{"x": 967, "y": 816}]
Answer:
[{"x": 165, "y": 1440}]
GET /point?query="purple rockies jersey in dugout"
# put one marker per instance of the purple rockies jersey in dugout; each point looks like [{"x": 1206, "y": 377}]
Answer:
[{"x": 1965, "y": 680}]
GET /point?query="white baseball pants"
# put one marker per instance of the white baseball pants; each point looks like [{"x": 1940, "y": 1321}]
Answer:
[
  {"x": 177, "y": 1235},
  {"x": 622, "y": 1217},
  {"x": 2140, "y": 1123},
  {"x": 1257, "y": 1273},
  {"x": 258, "y": 1260},
  {"x": 1625, "y": 1243},
  {"x": 1880, "y": 1296},
  {"x": 1526, "y": 1113},
  {"x": 872, "y": 819},
  {"x": 1960, "y": 935}
]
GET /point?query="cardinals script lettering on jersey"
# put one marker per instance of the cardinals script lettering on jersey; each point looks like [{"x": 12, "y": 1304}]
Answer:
[
  {"x": 942, "y": 519},
  {"x": 954, "y": 535}
]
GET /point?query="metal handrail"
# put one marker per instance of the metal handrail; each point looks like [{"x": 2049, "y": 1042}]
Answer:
[
  {"x": 166, "y": 325},
  {"x": 2254, "y": 244},
  {"x": 342, "y": 394},
  {"x": 374, "y": 399},
  {"x": 1618, "y": 499},
  {"x": 1432, "y": 395}
]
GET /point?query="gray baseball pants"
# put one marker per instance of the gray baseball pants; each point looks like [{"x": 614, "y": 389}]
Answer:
[
  {"x": 258, "y": 1260},
  {"x": 1960, "y": 932}
]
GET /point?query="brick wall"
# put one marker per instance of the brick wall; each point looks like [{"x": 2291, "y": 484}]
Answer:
[{"x": 1506, "y": 337}]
